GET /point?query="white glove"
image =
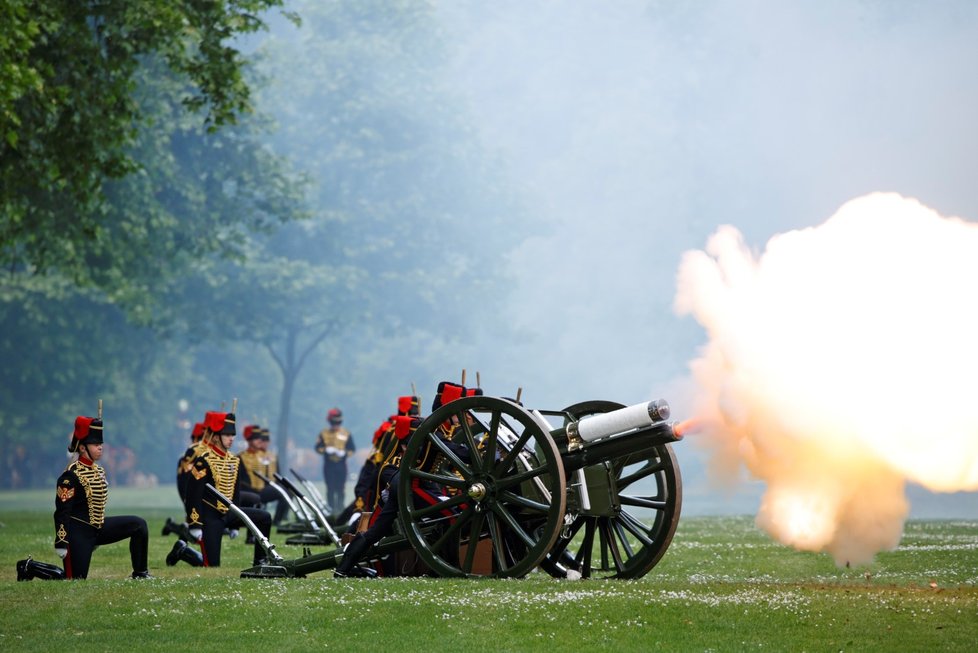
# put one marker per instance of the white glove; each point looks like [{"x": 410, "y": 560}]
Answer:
[
  {"x": 197, "y": 533},
  {"x": 331, "y": 450},
  {"x": 354, "y": 518},
  {"x": 341, "y": 453},
  {"x": 385, "y": 494},
  {"x": 62, "y": 553},
  {"x": 233, "y": 533}
]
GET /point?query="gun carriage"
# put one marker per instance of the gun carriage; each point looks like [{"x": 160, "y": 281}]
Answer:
[{"x": 592, "y": 491}]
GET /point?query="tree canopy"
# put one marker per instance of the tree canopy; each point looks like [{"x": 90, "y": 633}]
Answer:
[
  {"x": 358, "y": 228},
  {"x": 70, "y": 115}
]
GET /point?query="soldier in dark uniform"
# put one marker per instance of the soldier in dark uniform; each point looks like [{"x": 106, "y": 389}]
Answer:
[
  {"x": 383, "y": 446},
  {"x": 382, "y": 520},
  {"x": 257, "y": 459},
  {"x": 335, "y": 444},
  {"x": 183, "y": 471},
  {"x": 207, "y": 516},
  {"x": 197, "y": 446},
  {"x": 80, "y": 523}
]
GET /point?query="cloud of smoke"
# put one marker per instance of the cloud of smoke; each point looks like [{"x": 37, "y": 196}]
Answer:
[{"x": 841, "y": 362}]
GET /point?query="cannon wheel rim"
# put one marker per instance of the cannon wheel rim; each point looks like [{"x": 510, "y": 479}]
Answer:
[
  {"x": 500, "y": 512},
  {"x": 615, "y": 558}
]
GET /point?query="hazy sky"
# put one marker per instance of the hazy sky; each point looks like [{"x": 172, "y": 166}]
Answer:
[{"x": 640, "y": 127}]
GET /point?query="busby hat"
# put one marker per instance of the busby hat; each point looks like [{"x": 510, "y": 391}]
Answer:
[
  {"x": 447, "y": 392},
  {"x": 198, "y": 431},
  {"x": 408, "y": 405},
  {"x": 382, "y": 429},
  {"x": 261, "y": 433},
  {"x": 220, "y": 423},
  {"x": 405, "y": 425},
  {"x": 88, "y": 430},
  {"x": 250, "y": 431}
]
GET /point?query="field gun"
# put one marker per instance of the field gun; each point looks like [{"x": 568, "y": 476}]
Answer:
[{"x": 593, "y": 491}]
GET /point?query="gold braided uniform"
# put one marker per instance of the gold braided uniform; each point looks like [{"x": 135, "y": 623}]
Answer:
[
  {"x": 81, "y": 495},
  {"x": 223, "y": 470},
  {"x": 263, "y": 462},
  {"x": 80, "y": 523},
  {"x": 338, "y": 439}
]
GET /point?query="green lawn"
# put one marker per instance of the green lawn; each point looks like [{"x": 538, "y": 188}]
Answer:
[{"x": 722, "y": 586}]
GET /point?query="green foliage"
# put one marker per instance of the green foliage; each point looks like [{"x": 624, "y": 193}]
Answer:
[
  {"x": 69, "y": 113},
  {"x": 68, "y": 347},
  {"x": 721, "y": 586},
  {"x": 186, "y": 250}
]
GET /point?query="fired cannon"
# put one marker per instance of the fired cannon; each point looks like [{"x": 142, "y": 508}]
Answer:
[{"x": 593, "y": 491}]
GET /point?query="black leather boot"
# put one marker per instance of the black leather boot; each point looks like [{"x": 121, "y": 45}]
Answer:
[
  {"x": 179, "y": 529},
  {"x": 30, "y": 568},
  {"x": 348, "y": 567},
  {"x": 183, "y": 551}
]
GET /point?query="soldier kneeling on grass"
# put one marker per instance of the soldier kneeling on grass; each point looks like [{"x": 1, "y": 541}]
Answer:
[
  {"x": 79, "y": 516},
  {"x": 207, "y": 517}
]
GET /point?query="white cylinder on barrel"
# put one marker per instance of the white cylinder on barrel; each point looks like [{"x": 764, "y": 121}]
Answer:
[{"x": 625, "y": 419}]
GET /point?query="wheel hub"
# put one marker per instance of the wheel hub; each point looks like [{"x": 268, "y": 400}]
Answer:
[{"x": 477, "y": 491}]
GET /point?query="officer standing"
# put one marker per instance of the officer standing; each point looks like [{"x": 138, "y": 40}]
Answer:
[
  {"x": 80, "y": 523},
  {"x": 335, "y": 444}
]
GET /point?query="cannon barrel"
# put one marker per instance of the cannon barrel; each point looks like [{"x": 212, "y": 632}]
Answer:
[
  {"x": 605, "y": 425},
  {"x": 638, "y": 441}
]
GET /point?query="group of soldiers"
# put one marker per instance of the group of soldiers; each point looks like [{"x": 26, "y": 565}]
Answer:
[
  {"x": 209, "y": 475},
  {"x": 82, "y": 493},
  {"x": 209, "y": 463},
  {"x": 376, "y": 489}
]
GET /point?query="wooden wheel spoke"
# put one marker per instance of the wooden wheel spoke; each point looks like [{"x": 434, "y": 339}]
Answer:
[
  {"x": 510, "y": 458},
  {"x": 451, "y": 502},
  {"x": 644, "y": 502},
  {"x": 439, "y": 479},
  {"x": 622, "y": 537},
  {"x": 524, "y": 502},
  {"x": 584, "y": 554},
  {"x": 474, "y": 535},
  {"x": 464, "y": 517},
  {"x": 450, "y": 455},
  {"x": 513, "y": 525},
  {"x": 636, "y": 528},
  {"x": 492, "y": 439},
  {"x": 646, "y": 470},
  {"x": 520, "y": 477},
  {"x": 474, "y": 455},
  {"x": 609, "y": 545},
  {"x": 498, "y": 548}
]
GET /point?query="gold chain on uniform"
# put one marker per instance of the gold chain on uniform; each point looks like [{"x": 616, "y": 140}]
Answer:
[
  {"x": 92, "y": 478},
  {"x": 224, "y": 470}
]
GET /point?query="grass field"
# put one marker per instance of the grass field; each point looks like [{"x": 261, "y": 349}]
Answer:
[{"x": 722, "y": 586}]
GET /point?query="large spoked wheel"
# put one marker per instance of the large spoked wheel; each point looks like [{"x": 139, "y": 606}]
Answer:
[
  {"x": 489, "y": 503},
  {"x": 634, "y": 509}
]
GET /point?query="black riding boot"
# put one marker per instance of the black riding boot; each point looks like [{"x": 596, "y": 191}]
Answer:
[
  {"x": 183, "y": 551},
  {"x": 351, "y": 555},
  {"x": 179, "y": 529},
  {"x": 30, "y": 568}
]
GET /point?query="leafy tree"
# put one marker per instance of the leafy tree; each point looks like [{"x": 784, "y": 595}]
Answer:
[
  {"x": 115, "y": 329},
  {"x": 69, "y": 114}
]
